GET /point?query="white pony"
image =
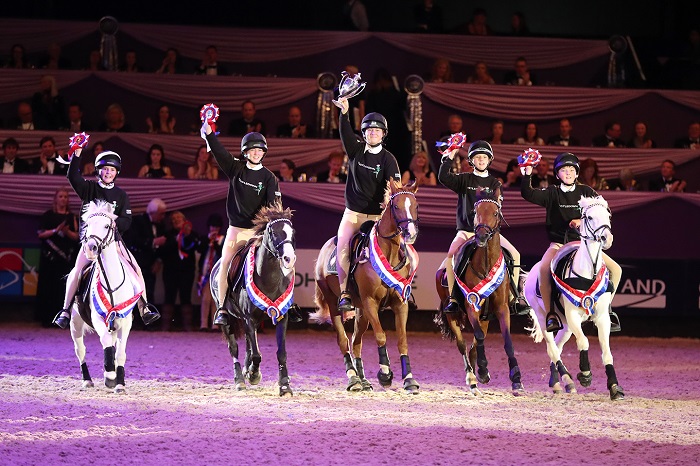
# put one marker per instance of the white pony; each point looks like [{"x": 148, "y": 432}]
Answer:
[
  {"x": 585, "y": 294},
  {"x": 112, "y": 292}
]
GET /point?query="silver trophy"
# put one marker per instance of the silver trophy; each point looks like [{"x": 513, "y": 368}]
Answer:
[{"x": 349, "y": 86}]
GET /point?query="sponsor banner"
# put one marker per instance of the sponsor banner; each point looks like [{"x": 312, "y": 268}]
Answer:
[{"x": 18, "y": 271}]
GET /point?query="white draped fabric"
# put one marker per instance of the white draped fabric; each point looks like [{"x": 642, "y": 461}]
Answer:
[
  {"x": 264, "y": 45},
  {"x": 32, "y": 194}
]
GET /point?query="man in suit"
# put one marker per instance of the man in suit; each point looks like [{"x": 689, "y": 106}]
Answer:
[
  {"x": 611, "y": 138},
  {"x": 76, "y": 124},
  {"x": 9, "y": 162},
  {"x": 48, "y": 158},
  {"x": 564, "y": 137}
]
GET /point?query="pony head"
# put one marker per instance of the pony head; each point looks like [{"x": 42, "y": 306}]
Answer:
[
  {"x": 273, "y": 224},
  {"x": 596, "y": 220},
  {"x": 98, "y": 227},
  {"x": 487, "y": 214},
  {"x": 401, "y": 201}
]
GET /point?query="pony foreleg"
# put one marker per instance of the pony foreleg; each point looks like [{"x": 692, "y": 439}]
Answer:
[
  {"x": 554, "y": 357},
  {"x": 401, "y": 318},
  {"x": 77, "y": 328},
  {"x": 238, "y": 377},
  {"x": 385, "y": 375},
  {"x": 354, "y": 367},
  {"x": 283, "y": 379},
  {"x": 110, "y": 373},
  {"x": 253, "y": 357},
  {"x": 514, "y": 370},
  {"x": 602, "y": 321}
]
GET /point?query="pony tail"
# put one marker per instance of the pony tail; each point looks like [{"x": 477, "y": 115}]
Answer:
[{"x": 323, "y": 312}]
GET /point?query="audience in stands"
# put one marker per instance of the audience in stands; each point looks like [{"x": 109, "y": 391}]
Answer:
[
  {"x": 18, "y": 58},
  {"x": 441, "y": 71},
  {"x": 542, "y": 177},
  {"x": 641, "y": 139},
  {"x": 518, "y": 25},
  {"x": 513, "y": 176},
  {"x": 286, "y": 171},
  {"x": 530, "y": 136},
  {"x": 626, "y": 181},
  {"x": 455, "y": 124},
  {"x": 590, "y": 176},
  {"x": 481, "y": 75},
  {"x": 611, "y": 137},
  {"x": 520, "y": 75},
  {"x": 355, "y": 16},
  {"x": 165, "y": 122},
  {"x": 170, "y": 63},
  {"x": 428, "y": 17},
  {"x": 130, "y": 65},
  {"x": 53, "y": 59},
  {"x": 295, "y": 127},
  {"x": 95, "y": 62},
  {"x": 496, "y": 136},
  {"x": 334, "y": 174},
  {"x": 48, "y": 106},
  {"x": 9, "y": 162},
  {"x": 564, "y": 138},
  {"x": 419, "y": 171},
  {"x": 156, "y": 166},
  {"x": 210, "y": 63},
  {"x": 48, "y": 163},
  {"x": 477, "y": 26},
  {"x": 115, "y": 120},
  {"x": 692, "y": 141},
  {"x": 667, "y": 181},
  {"x": 24, "y": 120},
  {"x": 204, "y": 166},
  {"x": 247, "y": 123},
  {"x": 76, "y": 123}
]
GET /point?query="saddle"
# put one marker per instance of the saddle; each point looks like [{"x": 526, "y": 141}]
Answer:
[
  {"x": 235, "y": 271},
  {"x": 358, "y": 245}
]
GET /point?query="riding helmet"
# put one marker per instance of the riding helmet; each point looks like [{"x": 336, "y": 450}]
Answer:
[
  {"x": 479, "y": 147},
  {"x": 566, "y": 159},
  {"x": 108, "y": 159},
  {"x": 253, "y": 140},
  {"x": 374, "y": 120}
]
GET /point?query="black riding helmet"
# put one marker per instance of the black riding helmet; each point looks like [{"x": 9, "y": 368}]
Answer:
[
  {"x": 108, "y": 159},
  {"x": 480, "y": 147},
  {"x": 565, "y": 159},
  {"x": 375, "y": 120},
  {"x": 251, "y": 141}
]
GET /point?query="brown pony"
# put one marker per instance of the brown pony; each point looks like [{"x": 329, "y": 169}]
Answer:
[
  {"x": 483, "y": 260},
  {"x": 394, "y": 233}
]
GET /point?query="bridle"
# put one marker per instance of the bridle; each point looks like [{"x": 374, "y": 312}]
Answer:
[
  {"x": 268, "y": 237},
  {"x": 401, "y": 224},
  {"x": 594, "y": 235},
  {"x": 102, "y": 244},
  {"x": 490, "y": 231}
]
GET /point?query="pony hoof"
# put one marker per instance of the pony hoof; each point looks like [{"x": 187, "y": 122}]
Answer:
[
  {"x": 286, "y": 390},
  {"x": 385, "y": 379},
  {"x": 120, "y": 389},
  {"x": 617, "y": 393},
  {"x": 556, "y": 389},
  {"x": 518, "y": 389},
  {"x": 240, "y": 386},
  {"x": 367, "y": 386},
  {"x": 571, "y": 388},
  {"x": 110, "y": 383},
  {"x": 474, "y": 390},
  {"x": 584, "y": 379},
  {"x": 411, "y": 386},
  {"x": 354, "y": 384},
  {"x": 87, "y": 384},
  {"x": 254, "y": 378},
  {"x": 484, "y": 377}
]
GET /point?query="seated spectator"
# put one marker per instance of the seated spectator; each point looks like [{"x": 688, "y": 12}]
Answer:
[
  {"x": 115, "y": 120},
  {"x": 95, "y": 62},
  {"x": 693, "y": 139},
  {"x": 156, "y": 166},
  {"x": 589, "y": 176},
  {"x": 355, "y": 16},
  {"x": 48, "y": 107},
  {"x": 204, "y": 167},
  {"x": 542, "y": 177},
  {"x": 286, "y": 171},
  {"x": 48, "y": 163},
  {"x": 611, "y": 138},
  {"x": 520, "y": 75},
  {"x": 334, "y": 174},
  {"x": 88, "y": 168},
  {"x": 667, "y": 181},
  {"x": 428, "y": 17},
  {"x": 53, "y": 59},
  {"x": 294, "y": 128},
  {"x": 481, "y": 75},
  {"x": 641, "y": 139},
  {"x": 9, "y": 162},
  {"x": 513, "y": 175},
  {"x": 76, "y": 124},
  {"x": 25, "y": 118},
  {"x": 130, "y": 65},
  {"x": 564, "y": 138},
  {"x": 477, "y": 26},
  {"x": 455, "y": 125},
  {"x": 170, "y": 63},
  {"x": 626, "y": 181},
  {"x": 165, "y": 123},
  {"x": 247, "y": 123},
  {"x": 496, "y": 136},
  {"x": 530, "y": 136},
  {"x": 419, "y": 171},
  {"x": 518, "y": 25},
  {"x": 210, "y": 63},
  {"x": 18, "y": 58},
  {"x": 441, "y": 71}
]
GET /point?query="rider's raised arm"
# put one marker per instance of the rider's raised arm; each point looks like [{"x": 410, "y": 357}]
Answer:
[
  {"x": 536, "y": 196},
  {"x": 75, "y": 178},
  {"x": 448, "y": 179},
  {"x": 223, "y": 157},
  {"x": 351, "y": 143}
]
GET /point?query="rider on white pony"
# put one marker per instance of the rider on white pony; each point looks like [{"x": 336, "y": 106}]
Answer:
[
  {"x": 562, "y": 222},
  {"x": 107, "y": 167}
]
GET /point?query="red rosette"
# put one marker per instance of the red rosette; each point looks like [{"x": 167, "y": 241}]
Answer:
[
  {"x": 529, "y": 158},
  {"x": 456, "y": 141},
  {"x": 209, "y": 113},
  {"x": 78, "y": 141}
]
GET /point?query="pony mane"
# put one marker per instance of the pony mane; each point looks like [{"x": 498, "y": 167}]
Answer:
[
  {"x": 96, "y": 207},
  {"x": 393, "y": 186},
  {"x": 586, "y": 202},
  {"x": 488, "y": 194},
  {"x": 266, "y": 214}
]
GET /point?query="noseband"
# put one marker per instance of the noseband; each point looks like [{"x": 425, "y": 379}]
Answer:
[
  {"x": 276, "y": 248},
  {"x": 594, "y": 234},
  {"x": 102, "y": 243},
  {"x": 401, "y": 224},
  {"x": 490, "y": 231}
]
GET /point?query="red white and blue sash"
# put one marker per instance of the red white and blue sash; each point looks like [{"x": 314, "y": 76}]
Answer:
[
  {"x": 103, "y": 305},
  {"x": 585, "y": 299},
  {"x": 475, "y": 296},
  {"x": 386, "y": 272},
  {"x": 275, "y": 309}
]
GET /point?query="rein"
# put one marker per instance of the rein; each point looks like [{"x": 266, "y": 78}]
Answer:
[
  {"x": 275, "y": 251},
  {"x": 102, "y": 244},
  {"x": 401, "y": 225},
  {"x": 594, "y": 236}
]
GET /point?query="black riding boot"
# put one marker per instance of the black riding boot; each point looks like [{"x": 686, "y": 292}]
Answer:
[
  {"x": 345, "y": 302},
  {"x": 62, "y": 319},
  {"x": 149, "y": 313},
  {"x": 221, "y": 317},
  {"x": 453, "y": 304},
  {"x": 553, "y": 322}
]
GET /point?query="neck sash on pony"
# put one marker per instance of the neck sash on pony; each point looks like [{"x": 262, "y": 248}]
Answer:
[
  {"x": 485, "y": 287},
  {"x": 584, "y": 299},
  {"x": 275, "y": 309},
  {"x": 386, "y": 272},
  {"x": 103, "y": 305}
]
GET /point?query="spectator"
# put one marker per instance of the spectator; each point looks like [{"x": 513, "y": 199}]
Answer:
[
  {"x": 626, "y": 181},
  {"x": 248, "y": 123},
  {"x": 9, "y": 162},
  {"x": 203, "y": 167},
  {"x": 589, "y": 176},
  {"x": 334, "y": 174},
  {"x": 25, "y": 118},
  {"x": 564, "y": 137},
  {"x": 693, "y": 139},
  {"x": 58, "y": 232},
  {"x": 210, "y": 63},
  {"x": 481, "y": 75},
  {"x": 48, "y": 107},
  {"x": 18, "y": 58},
  {"x": 53, "y": 59},
  {"x": 518, "y": 25},
  {"x": 641, "y": 139},
  {"x": 130, "y": 65},
  {"x": 611, "y": 138},
  {"x": 294, "y": 128},
  {"x": 76, "y": 124},
  {"x": 667, "y": 182},
  {"x": 542, "y": 178},
  {"x": 210, "y": 250},
  {"x": 165, "y": 122},
  {"x": 144, "y": 238},
  {"x": 441, "y": 71},
  {"x": 48, "y": 163},
  {"x": 477, "y": 26},
  {"x": 355, "y": 16},
  {"x": 95, "y": 62},
  {"x": 513, "y": 175},
  {"x": 530, "y": 136},
  {"x": 428, "y": 17},
  {"x": 115, "y": 120},
  {"x": 156, "y": 166},
  {"x": 455, "y": 125},
  {"x": 287, "y": 168},
  {"x": 520, "y": 75},
  {"x": 496, "y": 136},
  {"x": 88, "y": 168},
  {"x": 419, "y": 171},
  {"x": 179, "y": 265},
  {"x": 170, "y": 63}
]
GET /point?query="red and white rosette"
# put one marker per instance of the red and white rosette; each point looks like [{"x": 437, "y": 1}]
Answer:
[
  {"x": 456, "y": 141},
  {"x": 529, "y": 158},
  {"x": 210, "y": 113},
  {"x": 78, "y": 141}
]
